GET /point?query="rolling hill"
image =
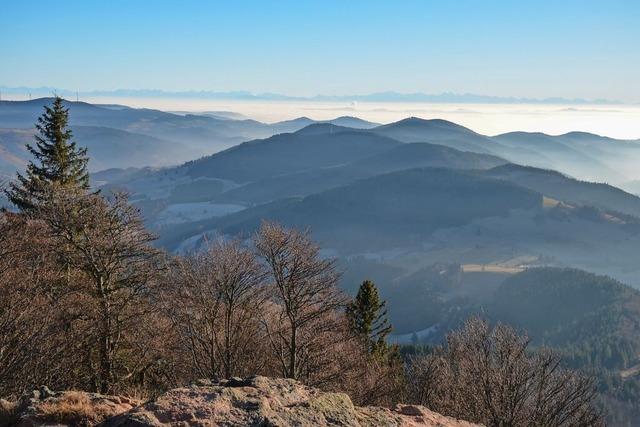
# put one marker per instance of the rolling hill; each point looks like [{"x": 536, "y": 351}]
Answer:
[
  {"x": 119, "y": 137},
  {"x": 289, "y": 126},
  {"x": 582, "y": 155},
  {"x": 401, "y": 193},
  {"x": 405, "y": 156},
  {"x": 398, "y": 206},
  {"x": 563, "y": 188},
  {"x": 288, "y": 153},
  {"x": 562, "y": 153},
  {"x": 109, "y": 148},
  {"x": 578, "y": 154},
  {"x": 592, "y": 321},
  {"x": 361, "y": 192},
  {"x": 437, "y": 131},
  {"x": 582, "y": 308},
  {"x": 440, "y": 217}
]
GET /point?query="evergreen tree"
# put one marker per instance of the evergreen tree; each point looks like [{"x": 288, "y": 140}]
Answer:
[
  {"x": 414, "y": 339},
  {"x": 57, "y": 160},
  {"x": 368, "y": 318}
]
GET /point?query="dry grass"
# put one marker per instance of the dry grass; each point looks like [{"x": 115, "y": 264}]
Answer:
[
  {"x": 74, "y": 408},
  {"x": 7, "y": 413},
  {"x": 138, "y": 394}
]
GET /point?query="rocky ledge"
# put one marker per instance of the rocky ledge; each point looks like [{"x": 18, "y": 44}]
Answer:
[
  {"x": 255, "y": 401},
  {"x": 44, "y": 407}
]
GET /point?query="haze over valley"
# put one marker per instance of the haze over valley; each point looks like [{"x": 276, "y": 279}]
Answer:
[
  {"x": 484, "y": 114},
  {"x": 333, "y": 214},
  {"x": 197, "y": 176}
]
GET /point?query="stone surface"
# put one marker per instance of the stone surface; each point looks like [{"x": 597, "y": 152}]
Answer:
[
  {"x": 255, "y": 401},
  {"x": 261, "y": 401},
  {"x": 44, "y": 407}
]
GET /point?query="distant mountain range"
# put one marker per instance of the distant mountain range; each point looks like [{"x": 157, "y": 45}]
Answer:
[
  {"x": 387, "y": 96},
  {"x": 447, "y": 222},
  {"x": 120, "y": 136},
  {"x": 416, "y": 186},
  {"x": 425, "y": 189}
]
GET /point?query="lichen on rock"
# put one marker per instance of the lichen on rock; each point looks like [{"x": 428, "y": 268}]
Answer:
[
  {"x": 262, "y": 401},
  {"x": 254, "y": 401}
]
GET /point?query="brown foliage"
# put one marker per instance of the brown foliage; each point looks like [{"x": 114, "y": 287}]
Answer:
[
  {"x": 84, "y": 304},
  {"x": 77, "y": 275},
  {"x": 305, "y": 292},
  {"x": 488, "y": 376},
  {"x": 74, "y": 408},
  {"x": 234, "y": 310},
  {"x": 347, "y": 366},
  {"x": 31, "y": 348},
  {"x": 215, "y": 299},
  {"x": 81, "y": 308},
  {"x": 107, "y": 243}
]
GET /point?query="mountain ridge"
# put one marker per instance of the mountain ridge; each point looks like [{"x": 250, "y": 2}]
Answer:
[{"x": 445, "y": 97}]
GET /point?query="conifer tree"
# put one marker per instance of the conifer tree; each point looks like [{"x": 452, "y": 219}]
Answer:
[
  {"x": 57, "y": 160},
  {"x": 368, "y": 318}
]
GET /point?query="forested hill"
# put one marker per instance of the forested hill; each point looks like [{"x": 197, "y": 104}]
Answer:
[
  {"x": 581, "y": 310},
  {"x": 394, "y": 208},
  {"x": 592, "y": 320}
]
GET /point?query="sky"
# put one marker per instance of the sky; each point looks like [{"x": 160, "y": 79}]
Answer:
[{"x": 534, "y": 49}]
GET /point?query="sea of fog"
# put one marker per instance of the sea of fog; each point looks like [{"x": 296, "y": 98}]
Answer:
[{"x": 617, "y": 121}]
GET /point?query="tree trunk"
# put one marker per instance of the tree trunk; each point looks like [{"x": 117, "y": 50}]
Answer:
[
  {"x": 106, "y": 344},
  {"x": 227, "y": 344},
  {"x": 293, "y": 347},
  {"x": 106, "y": 365}
]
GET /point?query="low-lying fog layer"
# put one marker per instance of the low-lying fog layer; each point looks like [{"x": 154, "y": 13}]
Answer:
[{"x": 616, "y": 121}]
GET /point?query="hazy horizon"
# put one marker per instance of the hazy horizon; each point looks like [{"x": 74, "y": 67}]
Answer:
[
  {"x": 612, "y": 120},
  {"x": 495, "y": 67},
  {"x": 320, "y": 191}
]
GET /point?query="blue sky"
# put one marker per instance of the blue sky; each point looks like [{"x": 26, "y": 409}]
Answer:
[{"x": 538, "y": 49}]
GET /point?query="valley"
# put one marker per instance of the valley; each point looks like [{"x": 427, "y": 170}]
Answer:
[
  {"x": 406, "y": 195},
  {"x": 320, "y": 213},
  {"x": 447, "y": 222}
]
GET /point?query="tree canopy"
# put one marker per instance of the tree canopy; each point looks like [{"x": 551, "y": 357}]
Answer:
[
  {"x": 368, "y": 317},
  {"x": 57, "y": 159}
]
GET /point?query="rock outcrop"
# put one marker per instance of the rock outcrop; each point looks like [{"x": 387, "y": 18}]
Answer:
[
  {"x": 44, "y": 407},
  {"x": 255, "y": 401}
]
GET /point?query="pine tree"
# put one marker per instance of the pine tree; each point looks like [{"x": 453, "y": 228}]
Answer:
[
  {"x": 368, "y": 318},
  {"x": 57, "y": 160}
]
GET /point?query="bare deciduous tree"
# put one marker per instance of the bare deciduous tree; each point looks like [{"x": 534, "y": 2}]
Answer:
[
  {"x": 37, "y": 343},
  {"x": 29, "y": 346},
  {"x": 107, "y": 242},
  {"x": 488, "y": 376},
  {"x": 215, "y": 300},
  {"x": 304, "y": 290}
]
